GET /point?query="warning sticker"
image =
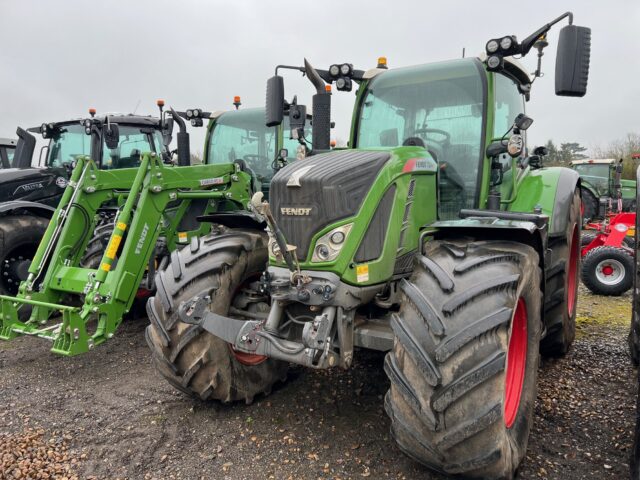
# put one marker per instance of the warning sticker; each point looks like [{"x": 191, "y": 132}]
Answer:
[
  {"x": 105, "y": 266},
  {"x": 362, "y": 273},
  {"x": 122, "y": 226},
  {"x": 113, "y": 246},
  {"x": 182, "y": 237}
]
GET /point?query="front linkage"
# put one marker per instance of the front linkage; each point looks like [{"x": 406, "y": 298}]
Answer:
[{"x": 156, "y": 200}]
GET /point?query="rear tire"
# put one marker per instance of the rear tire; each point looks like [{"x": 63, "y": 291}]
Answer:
[
  {"x": 590, "y": 204},
  {"x": 561, "y": 296},
  {"x": 463, "y": 378},
  {"x": 191, "y": 359},
  {"x": 608, "y": 271}
]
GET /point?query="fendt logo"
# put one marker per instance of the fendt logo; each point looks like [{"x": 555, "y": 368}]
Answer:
[
  {"x": 143, "y": 235},
  {"x": 295, "y": 211}
]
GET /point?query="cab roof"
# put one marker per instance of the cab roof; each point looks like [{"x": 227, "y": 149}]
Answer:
[{"x": 608, "y": 161}]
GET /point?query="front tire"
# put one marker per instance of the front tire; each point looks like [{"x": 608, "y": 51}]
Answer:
[
  {"x": 607, "y": 271},
  {"x": 590, "y": 205},
  {"x": 463, "y": 368},
  {"x": 20, "y": 237},
  {"x": 191, "y": 359}
]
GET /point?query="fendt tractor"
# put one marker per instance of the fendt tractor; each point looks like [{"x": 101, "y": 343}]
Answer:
[
  {"x": 29, "y": 194},
  {"x": 7, "y": 149},
  {"x": 127, "y": 205},
  {"x": 603, "y": 188},
  {"x": 435, "y": 238}
]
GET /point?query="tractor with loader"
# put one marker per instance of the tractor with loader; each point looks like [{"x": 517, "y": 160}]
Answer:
[
  {"x": 126, "y": 207},
  {"x": 436, "y": 238}
]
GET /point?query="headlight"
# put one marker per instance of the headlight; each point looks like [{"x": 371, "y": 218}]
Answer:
[
  {"x": 493, "y": 62},
  {"x": 329, "y": 245},
  {"x": 334, "y": 70},
  {"x": 506, "y": 43},
  {"x": 345, "y": 69},
  {"x": 492, "y": 46}
]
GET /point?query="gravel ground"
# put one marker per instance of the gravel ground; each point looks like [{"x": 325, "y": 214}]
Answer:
[{"x": 107, "y": 414}]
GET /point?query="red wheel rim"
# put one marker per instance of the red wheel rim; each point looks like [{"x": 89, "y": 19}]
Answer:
[
  {"x": 607, "y": 270},
  {"x": 247, "y": 358},
  {"x": 572, "y": 274},
  {"x": 516, "y": 363}
]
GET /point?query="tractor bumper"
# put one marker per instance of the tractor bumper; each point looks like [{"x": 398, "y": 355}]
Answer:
[{"x": 251, "y": 336}]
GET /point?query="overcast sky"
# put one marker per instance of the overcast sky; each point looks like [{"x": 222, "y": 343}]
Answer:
[{"x": 58, "y": 58}]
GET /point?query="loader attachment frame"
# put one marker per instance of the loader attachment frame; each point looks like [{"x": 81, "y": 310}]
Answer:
[{"x": 153, "y": 200}]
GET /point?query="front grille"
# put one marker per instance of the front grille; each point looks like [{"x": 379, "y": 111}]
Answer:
[{"x": 332, "y": 187}]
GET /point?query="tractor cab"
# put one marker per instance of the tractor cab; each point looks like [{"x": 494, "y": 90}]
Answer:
[
  {"x": 449, "y": 108},
  {"x": 240, "y": 136},
  {"x": 112, "y": 141}
]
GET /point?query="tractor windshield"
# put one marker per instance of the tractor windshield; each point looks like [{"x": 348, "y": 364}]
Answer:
[
  {"x": 72, "y": 141},
  {"x": 595, "y": 174},
  {"x": 439, "y": 105},
  {"x": 242, "y": 135}
]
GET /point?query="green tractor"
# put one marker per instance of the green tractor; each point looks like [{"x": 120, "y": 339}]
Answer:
[
  {"x": 601, "y": 186},
  {"x": 436, "y": 238},
  {"x": 122, "y": 216}
]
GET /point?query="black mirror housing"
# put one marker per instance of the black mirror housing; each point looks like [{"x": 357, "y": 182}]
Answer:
[
  {"x": 572, "y": 61},
  {"x": 274, "y": 109},
  {"x": 112, "y": 136}
]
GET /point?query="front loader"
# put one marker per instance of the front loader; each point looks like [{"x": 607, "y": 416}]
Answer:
[
  {"x": 125, "y": 208},
  {"x": 436, "y": 238}
]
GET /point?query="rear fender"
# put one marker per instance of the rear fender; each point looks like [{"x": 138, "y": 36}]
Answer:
[
  {"x": 550, "y": 191},
  {"x": 38, "y": 209}
]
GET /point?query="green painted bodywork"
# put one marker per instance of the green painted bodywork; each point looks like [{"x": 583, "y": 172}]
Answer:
[
  {"x": 423, "y": 210},
  {"x": 530, "y": 191},
  {"x": 154, "y": 199}
]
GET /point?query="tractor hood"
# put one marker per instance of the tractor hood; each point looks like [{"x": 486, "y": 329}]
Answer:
[
  {"x": 30, "y": 184},
  {"x": 322, "y": 189}
]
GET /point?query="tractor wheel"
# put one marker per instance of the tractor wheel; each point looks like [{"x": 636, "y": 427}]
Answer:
[
  {"x": 590, "y": 204},
  {"x": 464, "y": 364},
  {"x": 98, "y": 243},
  {"x": 607, "y": 271},
  {"x": 191, "y": 359},
  {"x": 562, "y": 286},
  {"x": 586, "y": 238},
  {"x": 20, "y": 237}
]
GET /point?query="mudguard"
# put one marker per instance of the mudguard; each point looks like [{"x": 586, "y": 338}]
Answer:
[
  {"x": 36, "y": 208},
  {"x": 530, "y": 229},
  {"x": 551, "y": 191}
]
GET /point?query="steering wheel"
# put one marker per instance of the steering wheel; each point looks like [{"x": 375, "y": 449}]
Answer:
[{"x": 437, "y": 131}]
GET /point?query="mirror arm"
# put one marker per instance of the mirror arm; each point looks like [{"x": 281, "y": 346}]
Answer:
[{"x": 528, "y": 42}]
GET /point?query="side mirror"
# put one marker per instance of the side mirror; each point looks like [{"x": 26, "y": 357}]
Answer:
[
  {"x": 167, "y": 130},
  {"x": 274, "y": 109},
  {"x": 112, "y": 136},
  {"x": 572, "y": 61},
  {"x": 541, "y": 151}
]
